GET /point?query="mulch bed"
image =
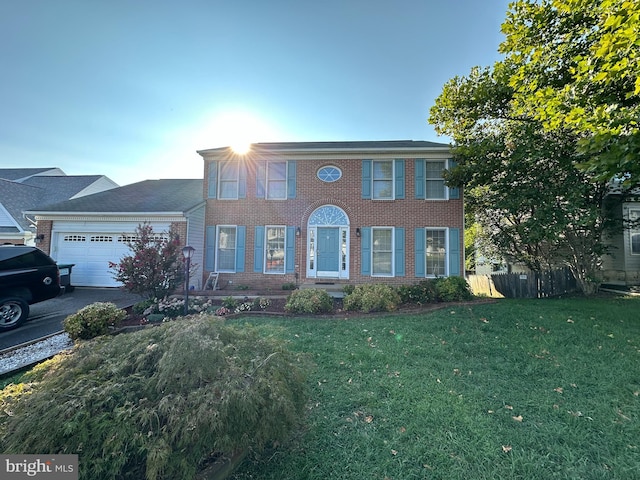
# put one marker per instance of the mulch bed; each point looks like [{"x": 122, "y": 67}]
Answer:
[{"x": 277, "y": 308}]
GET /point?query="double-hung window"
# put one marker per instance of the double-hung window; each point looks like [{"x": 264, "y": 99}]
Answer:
[
  {"x": 382, "y": 177},
  {"x": 436, "y": 252},
  {"x": 274, "y": 254},
  {"x": 382, "y": 251},
  {"x": 228, "y": 177},
  {"x": 277, "y": 180},
  {"x": 435, "y": 187},
  {"x": 226, "y": 248}
]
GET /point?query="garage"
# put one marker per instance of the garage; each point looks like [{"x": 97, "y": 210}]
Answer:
[
  {"x": 92, "y": 231},
  {"x": 91, "y": 253}
]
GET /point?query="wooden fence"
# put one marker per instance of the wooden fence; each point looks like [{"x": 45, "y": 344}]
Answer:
[{"x": 524, "y": 285}]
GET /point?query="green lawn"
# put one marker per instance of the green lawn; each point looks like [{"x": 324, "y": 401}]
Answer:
[{"x": 519, "y": 389}]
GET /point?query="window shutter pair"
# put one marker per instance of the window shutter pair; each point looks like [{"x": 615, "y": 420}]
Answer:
[
  {"x": 258, "y": 249},
  {"x": 210, "y": 248},
  {"x": 261, "y": 179},
  {"x": 213, "y": 180},
  {"x": 420, "y": 181},
  {"x": 399, "y": 251},
  {"x": 453, "y": 249},
  {"x": 367, "y": 180}
]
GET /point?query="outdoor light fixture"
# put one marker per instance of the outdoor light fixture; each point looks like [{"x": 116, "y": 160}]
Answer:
[
  {"x": 358, "y": 232},
  {"x": 187, "y": 252},
  {"x": 298, "y": 232}
]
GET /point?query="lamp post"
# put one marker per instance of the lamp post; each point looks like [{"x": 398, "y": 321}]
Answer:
[{"x": 187, "y": 252}]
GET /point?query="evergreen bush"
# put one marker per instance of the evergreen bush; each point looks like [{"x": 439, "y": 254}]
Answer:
[
  {"x": 420, "y": 293},
  {"x": 93, "y": 320},
  {"x": 373, "y": 297},
  {"x": 452, "y": 289},
  {"x": 312, "y": 300},
  {"x": 157, "y": 403}
]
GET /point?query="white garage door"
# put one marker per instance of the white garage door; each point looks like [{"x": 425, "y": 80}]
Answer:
[{"x": 91, "y": 254}]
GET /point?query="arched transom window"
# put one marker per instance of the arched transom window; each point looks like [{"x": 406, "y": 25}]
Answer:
[{"x": 329, "y": 215}]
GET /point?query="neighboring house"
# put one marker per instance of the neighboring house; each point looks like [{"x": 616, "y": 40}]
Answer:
[
  {"x": 22, "y": 189},
  {"x": 622, "y": 265},
  {"x": 332, "y": 212},
  {"x": 93, "y": 230}
]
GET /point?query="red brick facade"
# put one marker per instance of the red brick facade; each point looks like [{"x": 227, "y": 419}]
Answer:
[{"x": 311, "y": 193}]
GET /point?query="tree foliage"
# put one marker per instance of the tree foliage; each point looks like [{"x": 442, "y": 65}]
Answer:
[
  {"x": 156, "y": 266},
  {"x": 522, "y": 182},
  {"x": 577, "y": 68}
]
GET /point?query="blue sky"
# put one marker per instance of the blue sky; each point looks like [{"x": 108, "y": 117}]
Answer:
[{"x": 132, "y": 88}]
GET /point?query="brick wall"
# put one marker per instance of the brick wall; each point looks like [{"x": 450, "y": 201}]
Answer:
[{"x": 345, "y": 193}]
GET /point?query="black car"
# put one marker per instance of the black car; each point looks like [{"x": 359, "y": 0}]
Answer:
[{"x": 27, "y": 276}]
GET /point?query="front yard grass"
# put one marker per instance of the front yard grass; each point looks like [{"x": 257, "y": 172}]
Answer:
[{"x": 519, "y": 389}]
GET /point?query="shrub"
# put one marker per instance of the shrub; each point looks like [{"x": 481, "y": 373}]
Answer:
[
  {"x": 421, "y": 293},
  {"x": 230, "y": 303},
  {"x": 348, "y": 289},
  {"x": 93, "y": 320},
  {"x": 173, "y": 307},
  {"x": 289, "y": 286},
  {"x": 452, "y": 289},
  {"x": 157, "y": 403},
  {"x": 372, "y": 298},
  {"x": 140, "y": 307},
  {"x": 312, "y": 300},
  {"x": 156, "y": 266},
  {"x": 261, "y": 303}
]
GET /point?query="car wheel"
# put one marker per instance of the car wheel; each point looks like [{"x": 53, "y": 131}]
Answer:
[{"x": 13, "y": 312}]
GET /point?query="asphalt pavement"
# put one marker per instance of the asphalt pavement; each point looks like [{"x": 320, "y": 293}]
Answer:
[{"x": 46, "y": 317}]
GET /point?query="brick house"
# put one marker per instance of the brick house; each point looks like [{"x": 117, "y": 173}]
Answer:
[{"x": 331, "y": 212}]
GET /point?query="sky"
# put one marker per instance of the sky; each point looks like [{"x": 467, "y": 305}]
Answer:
[{"x": 131, "y": 89}]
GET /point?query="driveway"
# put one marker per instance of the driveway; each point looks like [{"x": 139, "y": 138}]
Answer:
[{"x": 46, "y": 317}]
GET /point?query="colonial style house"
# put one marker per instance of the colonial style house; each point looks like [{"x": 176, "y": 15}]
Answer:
[{"x": 331, "y": 212}]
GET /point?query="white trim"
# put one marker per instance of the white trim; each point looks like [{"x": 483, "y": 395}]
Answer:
[
  {"x": 393, "y": 253},
  {"x": 446, "y": 252}
]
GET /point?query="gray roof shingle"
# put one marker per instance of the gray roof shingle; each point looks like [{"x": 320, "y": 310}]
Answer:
[{"x": 149, "y": 196}]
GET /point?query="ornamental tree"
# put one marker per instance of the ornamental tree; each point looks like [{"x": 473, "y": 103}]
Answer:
[{"x": 155, "y": 268}]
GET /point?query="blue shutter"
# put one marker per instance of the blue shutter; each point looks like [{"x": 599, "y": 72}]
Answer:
[
  {"x": 242, "y": 180},
  {"x": 420, "y": 180},
  {"x": 454, "y": 192},
  {"x": 291, "y": 179},
  {"x": 399, "y": 179},
  {"x": 366, "y": 179},
  {"x": 240, "y": 248},
  {"x": 365, "y": 243},
  {"x": 258, "y": 249},
  {"x": 454, "y": 252},
  {"x": 399, "y": 252},
  {"x": 213, "y": 180},
  {"x": 291, "y": 250},
  {"x": 210, "y": 249},
  {"x": 420, "y": 259},
  {"x": 261, "y": 175}
]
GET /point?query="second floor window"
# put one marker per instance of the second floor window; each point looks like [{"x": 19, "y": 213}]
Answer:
[
  {"x": 277, "y": 180},
  {"x": 382, "y": 179},
  {"x": 435, "y": 188},
  {"x": 229, "y": 175}
]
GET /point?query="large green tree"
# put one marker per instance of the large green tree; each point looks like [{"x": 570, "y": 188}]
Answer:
[
  {"x": 577, "y": 68},
  {"x": 522, "y": 182}
]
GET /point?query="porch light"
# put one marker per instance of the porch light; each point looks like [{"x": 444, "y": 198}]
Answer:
[
  {"x": 358, "y": 232},
  {"x": 298, "y": 232},
  {"x": 187, "y": 252}
]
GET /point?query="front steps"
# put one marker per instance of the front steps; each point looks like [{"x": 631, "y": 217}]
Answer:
[{"x": 333, "y": 288}]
